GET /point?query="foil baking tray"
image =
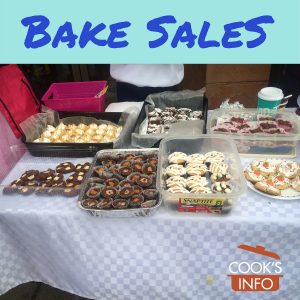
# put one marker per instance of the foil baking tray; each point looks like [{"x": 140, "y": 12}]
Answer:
[{"x": 119, "y": 213}]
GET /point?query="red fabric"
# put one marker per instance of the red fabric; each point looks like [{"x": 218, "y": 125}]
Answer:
[{"x": 17, "y": 99}]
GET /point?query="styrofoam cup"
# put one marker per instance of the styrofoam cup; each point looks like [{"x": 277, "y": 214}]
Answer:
[{"x": 269, "y": 97}]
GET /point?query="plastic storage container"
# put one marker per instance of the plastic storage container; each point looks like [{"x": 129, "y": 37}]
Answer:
[
  {"x": 212, "y": 203},
  {"x": 86, "y": 96},
  {"x": 260, "y": 144}
]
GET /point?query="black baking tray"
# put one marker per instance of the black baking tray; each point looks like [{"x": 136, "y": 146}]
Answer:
[
  {"x": 142, "y": 117},
  {"x": 73, "y": 149}
]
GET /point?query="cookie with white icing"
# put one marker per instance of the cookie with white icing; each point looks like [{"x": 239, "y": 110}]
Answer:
[
  {"x": 296, "y": 183},
  {"x": 288, "y": 168},
  {"x": 194, "y": 169},
  {"x": 281, "y": 182},
  {"x": 175, "y": 170},
  {"x": 266, "y": 167},
  {"x": 176, "y": 181},
  {"x": 178, "y": 190},
  {"x": 254, "y": 175},
  {"x": 196, "y": 181},
  {"x": 268, "y": 188},
  {"x": 177, "y": 158},
  {"x": 196, "y": 158},
  {"x": 201, "y": 190},
  {"x": 217, "y": 167}
]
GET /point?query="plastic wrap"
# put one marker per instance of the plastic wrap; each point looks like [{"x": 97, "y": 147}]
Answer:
[
  {"x": 35, "y": 125},
  {"x": 187, "y": 98}
]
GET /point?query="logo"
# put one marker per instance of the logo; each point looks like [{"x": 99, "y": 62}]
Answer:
[{"x": 256, "y": 276}]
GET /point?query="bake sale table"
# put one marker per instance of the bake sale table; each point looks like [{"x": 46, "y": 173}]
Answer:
[{"x": 170, "y": 255}]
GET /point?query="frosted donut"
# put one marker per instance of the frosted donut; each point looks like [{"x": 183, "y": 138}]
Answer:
[
  {"x": 196, "y": 181},
  {"x": 196, "y": 169},
  {"x": 177, "y": 158},
  {"x": 175, "y": 170},
  {"x": 176, "y": 181}
]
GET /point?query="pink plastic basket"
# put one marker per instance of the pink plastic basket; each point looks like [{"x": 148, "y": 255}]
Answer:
[{"x": 88, "y": 96}]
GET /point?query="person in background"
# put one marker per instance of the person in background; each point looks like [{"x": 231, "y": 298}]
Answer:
[{"x": 136, "y": 82}]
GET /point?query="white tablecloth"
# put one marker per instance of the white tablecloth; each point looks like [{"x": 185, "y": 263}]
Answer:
[{"x": 168, "y": 256}]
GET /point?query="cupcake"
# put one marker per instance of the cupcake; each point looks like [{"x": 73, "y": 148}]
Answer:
[
  {"x": 136, "y": 200},
  {"x": 120, "y": 204}
]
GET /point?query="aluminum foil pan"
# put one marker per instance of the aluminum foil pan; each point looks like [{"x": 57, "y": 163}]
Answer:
[{"x": 119, "y": 213}]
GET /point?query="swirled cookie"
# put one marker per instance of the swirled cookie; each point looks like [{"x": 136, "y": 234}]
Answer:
[
  {"x": 217, "y": 167},
  {"x": 175, "y": 170},
  {"x": 176, "y": 181},
  {"x": 214, "y": 156},
  {"x": 177, "y": 158},
  {"x": 196, "y": 181},
  {"x": 194, "y": 169},
  {"x": 178, "y": 190},
  {"x": 195, "y": 158},
  {"x": 201, "y": 190}
]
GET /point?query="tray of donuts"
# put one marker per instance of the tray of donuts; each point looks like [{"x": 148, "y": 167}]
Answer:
[
  {"x": 200, "y": 174},
  {"x": 274, "y": 178},
  {"x": 122, "y": 183}
]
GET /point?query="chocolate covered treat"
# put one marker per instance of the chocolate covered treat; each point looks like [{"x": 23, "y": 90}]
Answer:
[
  {"x": 65, "y": 168},
  {"x": 160, "y": 120},
  {"x": 127, "y": 183},
  {"x": 30, "y": 175},
  {"x": 126, "y": 192},
  {"x": 109, "y": 192},
  {"x": 90, "y": 203},
  {"x": 120, "y": 204},
  {"x": 136, "y": 200}
]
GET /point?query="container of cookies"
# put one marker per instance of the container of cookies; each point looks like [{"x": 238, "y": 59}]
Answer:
[
  {"x": 200, "y": 174},
  {"x": 163, "y": 112},
  {"x": 76, "y": 134},
  {"x": 258, "y": 132},
  {"x": 127, "y": 182}
]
